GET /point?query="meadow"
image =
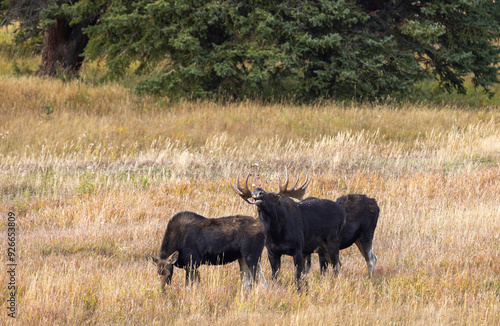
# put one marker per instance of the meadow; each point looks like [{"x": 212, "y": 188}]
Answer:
[{"x": 93, "y": 173}]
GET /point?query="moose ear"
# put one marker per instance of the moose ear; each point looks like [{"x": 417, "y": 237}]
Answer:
[
  {"x": 172, "y": 259},
  {"x": 152, "y": 258}
]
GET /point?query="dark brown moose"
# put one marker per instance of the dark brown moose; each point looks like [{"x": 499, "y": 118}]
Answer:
[
  {"x": 192, "y": 240},
  {"x": 362, "y": 216},
  {"x": 295, "y": 228}
]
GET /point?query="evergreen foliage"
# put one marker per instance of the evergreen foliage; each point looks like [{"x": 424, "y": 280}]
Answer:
[{"x": 311, "y": 49}]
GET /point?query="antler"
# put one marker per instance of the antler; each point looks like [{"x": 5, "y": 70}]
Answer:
[
  {"x": 244, "y": 192},
  {"x": 297, "y": 193}
]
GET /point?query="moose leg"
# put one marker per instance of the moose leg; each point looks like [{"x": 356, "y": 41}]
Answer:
[
  {"x": 196, "y": 275},
  {"x": 188, "y": 276},
  {"x": 365, "y": 247},
  {"x": 260, "y": 276},
  {"x": 307, "y": 263},
  {"x": 333, "y": 252},
  {"x": 253, "y": 263},
  {"x": 298, "y": 261},
  {"x": 275, "y": 261},
  {"x": 192, "y": 275},
  {"x": 245, "y": 275},
  {"x": 323, "y": 261}
]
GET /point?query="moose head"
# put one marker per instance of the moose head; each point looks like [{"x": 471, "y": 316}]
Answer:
[
  {"x": 259, "y": 195},
  {"x": 165, "y": 268}
]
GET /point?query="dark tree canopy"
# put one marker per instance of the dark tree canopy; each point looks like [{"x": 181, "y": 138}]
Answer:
[
  {"x": 308, "y": 48},
  {"x": 58, "y": 25}
]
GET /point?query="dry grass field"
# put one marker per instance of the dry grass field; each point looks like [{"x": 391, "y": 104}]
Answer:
[{"x": 94, "y": 173}]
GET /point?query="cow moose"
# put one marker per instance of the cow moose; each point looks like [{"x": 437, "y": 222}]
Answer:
[
  {"x": 192, "y": 240},
  {"x": 362, "y": 216},
  {"x": 295, "y": 228}
]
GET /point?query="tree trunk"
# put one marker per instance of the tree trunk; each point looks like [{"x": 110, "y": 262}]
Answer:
[{"x": 62, "y": 48}]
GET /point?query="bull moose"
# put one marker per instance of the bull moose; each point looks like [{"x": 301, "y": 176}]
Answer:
[
  {"x": 362, "y": 216},
  {"x": 192, "y": 240},
  {"x": 295, "y": 228}
]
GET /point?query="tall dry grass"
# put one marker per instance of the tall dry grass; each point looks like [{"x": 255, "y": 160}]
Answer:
[{"x": 94, "y": 174}]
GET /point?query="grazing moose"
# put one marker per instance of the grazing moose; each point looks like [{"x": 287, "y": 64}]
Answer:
[
  {"x": 362, "y": 216},
  {"x": 192, "y": 240},
  {"x": 296, "y": 228}
]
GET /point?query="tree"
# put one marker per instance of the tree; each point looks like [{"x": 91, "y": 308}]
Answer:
[
  {"x": 61, "y": 25},
  {"x": 314, "y": 48},
  {"x": 223, "y": 47},
  {"x": 257, "y": 48}
]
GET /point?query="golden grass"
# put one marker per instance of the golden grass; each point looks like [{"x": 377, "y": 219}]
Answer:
[
  {"x": 16, "y": 59},
  {"x": 94, "y": 183}
]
